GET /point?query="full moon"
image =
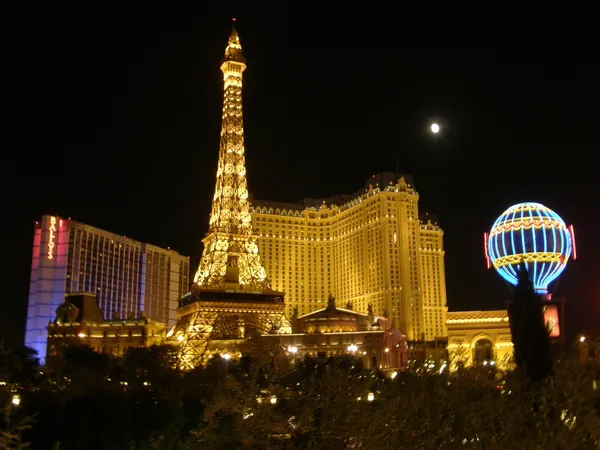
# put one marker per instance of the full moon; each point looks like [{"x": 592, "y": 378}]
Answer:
[{"x": 435, "y": 128}]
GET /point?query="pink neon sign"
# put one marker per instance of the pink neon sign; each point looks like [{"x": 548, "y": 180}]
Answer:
[{"x": 52, "y": 237}]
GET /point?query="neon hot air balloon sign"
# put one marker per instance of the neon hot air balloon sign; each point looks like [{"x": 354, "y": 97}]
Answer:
[{"x": 534, "y": 235}]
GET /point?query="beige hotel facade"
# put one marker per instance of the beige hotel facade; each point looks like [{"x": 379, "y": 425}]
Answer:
[{"x": 371, "y": 247}]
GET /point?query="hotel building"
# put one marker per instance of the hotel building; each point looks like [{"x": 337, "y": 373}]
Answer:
[
  {"x": 371, "y": 247},
  {"x": 127, "y": 277},
  {"x": 80, "y": 321}
]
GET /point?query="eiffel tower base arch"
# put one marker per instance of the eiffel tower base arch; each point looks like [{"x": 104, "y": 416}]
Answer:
[{"x": 213, "y": 320}]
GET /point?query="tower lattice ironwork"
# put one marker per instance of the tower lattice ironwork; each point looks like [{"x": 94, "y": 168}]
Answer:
[
  {"x": 231, "y": 300},
  {"x": 230, "y": 251}
]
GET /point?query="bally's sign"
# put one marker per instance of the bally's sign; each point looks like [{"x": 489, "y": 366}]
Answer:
[{"x": 52, "y": 237}]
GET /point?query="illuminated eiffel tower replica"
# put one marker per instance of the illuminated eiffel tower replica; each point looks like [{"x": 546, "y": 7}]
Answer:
[{"x": 231, "y": 300}]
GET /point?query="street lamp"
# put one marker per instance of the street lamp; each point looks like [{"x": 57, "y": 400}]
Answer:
[{"x": 435, "y": 128}]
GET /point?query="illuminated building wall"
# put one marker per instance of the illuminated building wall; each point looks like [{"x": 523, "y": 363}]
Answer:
[
  {"x": 128, "y": 277},
  {"x": 480, "y": 338},
  {"x": 113, "y": 337},
  {"x": 370, "y": 247},
  {"x": 79, "y": 321},
  {"x": 433, "y": 277}
]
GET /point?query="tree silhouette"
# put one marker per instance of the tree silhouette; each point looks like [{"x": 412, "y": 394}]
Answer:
[
  {"x": 531, "y": 341},
  {"x": 12, "y": 427},
  {"x": 141, "y": 402},
  {"x": 19, "y": 365},
  {"x": 153, "y": 394}
]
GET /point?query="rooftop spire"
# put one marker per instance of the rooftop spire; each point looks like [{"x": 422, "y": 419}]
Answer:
[{"x": 233, "y": 51}]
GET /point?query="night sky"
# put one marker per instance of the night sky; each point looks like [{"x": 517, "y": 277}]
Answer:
[{"x": 114, "y": 115}]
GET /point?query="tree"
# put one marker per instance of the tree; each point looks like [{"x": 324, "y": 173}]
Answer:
[
  {"x": 79, "y": 367},
  {"x": 532, "y": 345},
  {"x": 153, "y": 395},
  {"x": 12, "y": 427},
  {"x": 18, "y": 365},
  {"x": 331, "y": 403}
]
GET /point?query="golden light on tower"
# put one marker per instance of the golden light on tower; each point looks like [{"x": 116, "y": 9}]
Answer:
[
  {"x": 231, "y": 299},
  {"x": 230, "y": 251}
]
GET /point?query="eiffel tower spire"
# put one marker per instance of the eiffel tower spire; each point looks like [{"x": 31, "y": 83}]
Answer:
[
  {"x": 231, "y": 300},
  {"x": 230, "y": 255}
]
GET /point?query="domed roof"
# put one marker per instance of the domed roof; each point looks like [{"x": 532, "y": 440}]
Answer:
[
  {"x": 333, "y": 318},
  {"x": 327, "y": 314}
]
